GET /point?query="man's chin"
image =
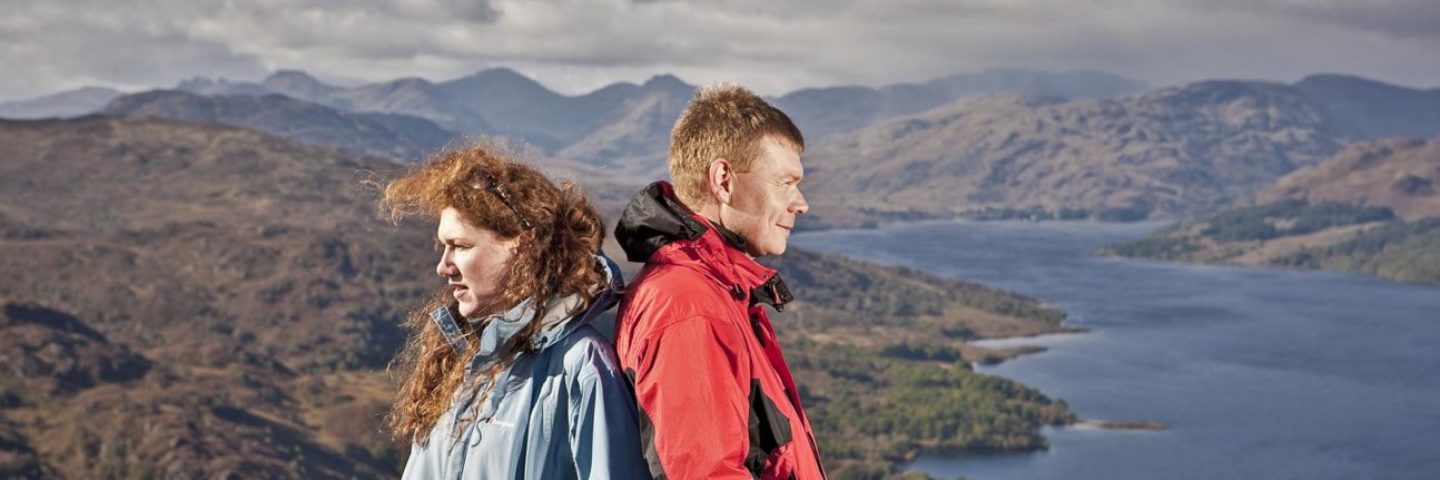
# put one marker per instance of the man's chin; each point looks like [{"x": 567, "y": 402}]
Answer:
[{"x": 767, "y": 251}]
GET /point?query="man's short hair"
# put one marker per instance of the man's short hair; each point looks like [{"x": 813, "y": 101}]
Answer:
[{"x": 723, "y": 121}]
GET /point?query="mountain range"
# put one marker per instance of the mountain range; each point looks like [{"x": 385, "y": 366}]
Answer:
[
  {"x": 70, "y": 103},
  {"x": 1174, "y": 152},
  {"x": 382, "y": 134},
  {"x": 822, "y": 112},
  {"x": 1049, "y": 145},
  {"x": 623, "y": 126}
]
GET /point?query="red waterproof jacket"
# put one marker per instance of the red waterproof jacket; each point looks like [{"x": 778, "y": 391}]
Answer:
[{"x": 715, "y": 395}]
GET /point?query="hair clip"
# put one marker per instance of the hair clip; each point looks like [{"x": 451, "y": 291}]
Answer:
[{"x": 504, "y": 195}]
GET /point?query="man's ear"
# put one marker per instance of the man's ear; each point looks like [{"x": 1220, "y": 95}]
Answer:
[{"x": 720, "y": 178}]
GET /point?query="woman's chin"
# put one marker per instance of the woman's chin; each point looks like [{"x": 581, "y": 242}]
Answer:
[{"x": 465, "y": 304}]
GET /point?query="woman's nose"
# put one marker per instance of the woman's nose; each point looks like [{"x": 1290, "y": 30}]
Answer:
[{"x": 445, "y": 267}]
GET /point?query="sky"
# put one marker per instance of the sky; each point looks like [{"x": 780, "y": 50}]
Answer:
[{"x": 772, "y": 46}]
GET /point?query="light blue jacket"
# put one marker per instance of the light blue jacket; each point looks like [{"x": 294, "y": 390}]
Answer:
[{"x": 561, "y": 412}]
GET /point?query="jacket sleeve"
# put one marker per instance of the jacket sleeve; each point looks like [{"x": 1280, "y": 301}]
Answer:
[
  {"x": 604, "y": 434},
  {"x": 424, "y": 462},
  {"x": 688, "y": 383}
]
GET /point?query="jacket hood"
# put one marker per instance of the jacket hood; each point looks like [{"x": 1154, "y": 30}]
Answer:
[
  {"x": 560, "y": 317},
  {"x": 655, "y": 218}
]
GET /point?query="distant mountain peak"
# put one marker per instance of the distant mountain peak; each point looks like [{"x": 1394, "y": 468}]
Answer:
[
  {"x": 220, "y": 86},
  {"x": 501, "y": 76},
  {"x": 407, "y": 83},
  {"x": 1339, "y": 78},
  {"x": 493, "y": 85},
  {"x": 294, "y": 78},
  {"x": 1220, "y": 91},
  {"x": 195, "y": 83},
  {"x": 92, "y": 90},
  {"x": 1343, "y": 82},
  {"x": 291, "y": 74},
  {"x": 665, "y": 80},
  {"x": 298, "y": 84},
  {"x": 199, "y": 81},
  {"x": 1372, "y": 109},
  {"x": 388, "y": 135},
  {"x": 499, "y": 72},
  {"x": 69, "y": 103},
  {"x": 411, "y": 81}
]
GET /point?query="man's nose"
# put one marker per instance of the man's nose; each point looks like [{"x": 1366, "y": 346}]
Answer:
[{"x": 800, "y": 206}]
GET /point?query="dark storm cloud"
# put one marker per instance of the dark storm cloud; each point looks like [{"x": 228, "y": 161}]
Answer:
[{"x": 574, "y": 45}]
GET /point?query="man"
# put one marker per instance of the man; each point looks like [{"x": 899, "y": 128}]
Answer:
[{"x": 715, "y": 395}]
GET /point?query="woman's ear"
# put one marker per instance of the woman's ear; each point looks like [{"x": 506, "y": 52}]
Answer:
[
  {"x": 720, "y": 178},
  {"x": 525, "y": 238}
]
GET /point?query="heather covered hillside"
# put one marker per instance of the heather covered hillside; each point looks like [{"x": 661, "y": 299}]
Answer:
[
  {"x": 1175, "y": 152},
  {"x": 228, "y": 281},
  {"x": 826, "y": 111},
  {"x": 1171, "y": 152},
  {"x": 1002, "y": 143},
  {"x": 622, "y": 127},
  {"x": 193, "y": 300},
  {"x": 396, "y": 136},
  {"x": 1373, "y": 209}
]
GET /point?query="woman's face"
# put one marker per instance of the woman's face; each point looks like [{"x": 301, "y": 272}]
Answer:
[{"x": 474, "y": 261}]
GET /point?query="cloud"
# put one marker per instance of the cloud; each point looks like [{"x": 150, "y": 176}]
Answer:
[
  {"x": 576, "y": 45},
  {"x": 1402, "y": 19}
]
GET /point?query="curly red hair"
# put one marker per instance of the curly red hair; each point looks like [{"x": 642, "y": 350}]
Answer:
[{"x": 556, "y": 258}]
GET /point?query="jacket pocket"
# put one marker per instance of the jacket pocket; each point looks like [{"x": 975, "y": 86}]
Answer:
[{"x": 769, "y": 431}]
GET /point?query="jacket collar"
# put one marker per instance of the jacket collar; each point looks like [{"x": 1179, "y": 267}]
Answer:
[
  {"x": 560, "y": 317},
  {"x": 657, "y": 228}
]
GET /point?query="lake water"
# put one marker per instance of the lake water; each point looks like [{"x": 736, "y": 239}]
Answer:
[{"x": 1258, "y": 373}]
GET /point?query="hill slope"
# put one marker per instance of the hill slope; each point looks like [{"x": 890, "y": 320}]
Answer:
[
  {"x": 244, "y": 269},
  {"x": 388, "y": 135},
  {"x": 70, "y": 103},
  {"x": 1372, "y": 209},
  {"x": 823, "y": 112},
  {"x": 1372, "y": 110},
  {"x": 1168, "y": 153},
  {"x": 232, "y": 296}
]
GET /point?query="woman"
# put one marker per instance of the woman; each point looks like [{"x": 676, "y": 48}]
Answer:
[{"x": 507, "y": 379}]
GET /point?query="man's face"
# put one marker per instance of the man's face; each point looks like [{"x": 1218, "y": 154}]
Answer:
[{"x": 765, "y": 201}]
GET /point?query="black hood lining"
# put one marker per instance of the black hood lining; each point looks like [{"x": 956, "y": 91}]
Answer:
[{"x": 655, "y": 218}]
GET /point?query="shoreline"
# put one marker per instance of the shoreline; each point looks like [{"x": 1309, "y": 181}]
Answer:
[
  {"x": 981, "y": 352},
  {"x": 995, "y": 355},
  {"x": 877, "y": 224},
  {"x": 1144, "y": 426}
]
